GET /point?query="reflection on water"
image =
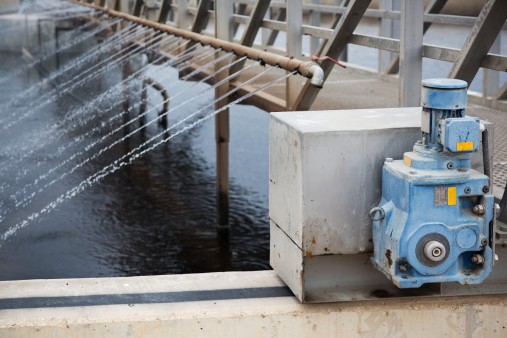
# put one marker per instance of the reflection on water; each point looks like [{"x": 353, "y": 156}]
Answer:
[{"x": 156, "y": 216}]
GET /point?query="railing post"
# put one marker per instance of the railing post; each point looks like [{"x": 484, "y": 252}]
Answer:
[
  {"x": 388, "y": 28},
  {"x": 294, "y": 47},
  {"x": 183, "y": 21},
  {"x": 491, "y": 78},
  {"x": 411, "y": 41},
  {"x": 124, "y": 6},
  {"x": 315, "y": 21},
  {"x": 223, "y": 30},
  {"x": 265, "y": 32}
]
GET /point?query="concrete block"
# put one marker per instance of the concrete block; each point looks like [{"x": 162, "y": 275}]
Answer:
[{"x": 325, "y": 173}]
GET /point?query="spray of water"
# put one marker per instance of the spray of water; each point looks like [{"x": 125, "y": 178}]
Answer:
[
  {"x": 139, "y": 40},
  {"x": 72, "y": 84},
  {"x": 127, "y": 136},
  {"x": 87, "y": 148},
  {"x": 121, "y": 162},
  {"x": 49, "y": 52},
  {"x": 92, "y": 53},
  {"x": 68, "y": 123}
]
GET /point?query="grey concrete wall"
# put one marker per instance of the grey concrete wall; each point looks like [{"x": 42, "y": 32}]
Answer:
[
  {"x": 9, "y": 6},
  {"x": 19, "y": 31}
]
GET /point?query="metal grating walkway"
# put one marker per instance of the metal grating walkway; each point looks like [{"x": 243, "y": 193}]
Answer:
[{"x": 499, "y": 120}]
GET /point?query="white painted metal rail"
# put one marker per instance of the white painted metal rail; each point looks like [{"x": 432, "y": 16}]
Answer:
[{"x": 481, "y": 50}]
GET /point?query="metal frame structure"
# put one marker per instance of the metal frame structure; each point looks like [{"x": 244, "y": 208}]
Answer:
[
  {"x": 280, "y": 16},
  {"x": 406, "y": 53}
]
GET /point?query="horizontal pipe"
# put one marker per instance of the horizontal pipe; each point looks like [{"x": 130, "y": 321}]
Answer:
[{"x": 306, "y": 68}]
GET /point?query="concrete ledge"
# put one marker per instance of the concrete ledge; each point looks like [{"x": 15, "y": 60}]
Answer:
[{"x": 279, "y": 314}]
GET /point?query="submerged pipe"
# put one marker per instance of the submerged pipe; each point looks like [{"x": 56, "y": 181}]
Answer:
[
  {"x": 144, "y": 100},
  {"x": 307, "y": 69}
]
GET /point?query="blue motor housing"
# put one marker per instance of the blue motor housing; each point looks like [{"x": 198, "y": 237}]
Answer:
[
  {"x": 434, "y": 222},
  {"x": 425, "y": 207}
]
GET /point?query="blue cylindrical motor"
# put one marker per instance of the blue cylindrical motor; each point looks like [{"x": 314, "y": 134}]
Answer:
[{"x": 434, "y": 221}]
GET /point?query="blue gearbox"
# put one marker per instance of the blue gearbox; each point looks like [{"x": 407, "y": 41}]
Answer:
[{"x": 434, "y": 221}]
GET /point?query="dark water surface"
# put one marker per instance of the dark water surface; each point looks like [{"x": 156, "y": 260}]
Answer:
[{"x": 156, "y": 216}]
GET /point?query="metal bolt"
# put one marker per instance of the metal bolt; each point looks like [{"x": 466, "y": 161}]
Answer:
[
  {"x": 485, "y": 189},
  {"x": 450, "y": 165},
  {"x": 434, "y": 251},
  {"x": 477, "y": 259},
  {"x": 377, "y": 214},
  {"x": 468, "y": 190},
  {"x": 479, "y": 209},
  {"x": 484, "y": 241},
  {"x": 403, "y": 268},
  {"x": 497, "y": 208}
]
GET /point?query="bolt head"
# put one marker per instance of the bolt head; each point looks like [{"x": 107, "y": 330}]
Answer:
[
  {"x": 479, "y": 209},
  {"x": 477, "y": 259}
]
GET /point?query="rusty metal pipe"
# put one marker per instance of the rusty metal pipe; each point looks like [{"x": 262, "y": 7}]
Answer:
[{"x": 307, "y": 69}]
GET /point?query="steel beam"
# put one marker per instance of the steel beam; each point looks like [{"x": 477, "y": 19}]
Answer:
[
  {"x": 501, "y": 94},
  {"x": 344, "y": 55},
  {"x": 334, "y": 47},
  {"x": 294, "y": 48},
  {"x": 490, "y": 78},
  {"x": 315, "y": 18},
  {"x": 252, "y": 28},
  {"x": 164, "y": 11},
  {"x": 491, "y": 19},
  {"x": 223, "y": 30},
  {"x": 433, "y": 8},
  {"x": 201, "y": 19},
  {"x": 411, "y": 45},
  {"x": 138, "y": 5},
  {"x": 389, "y": 28},
  {"x": 255, "y": 22},
  {"x": 240, "y": 11},
  {"x": 282, "y": 15}
]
